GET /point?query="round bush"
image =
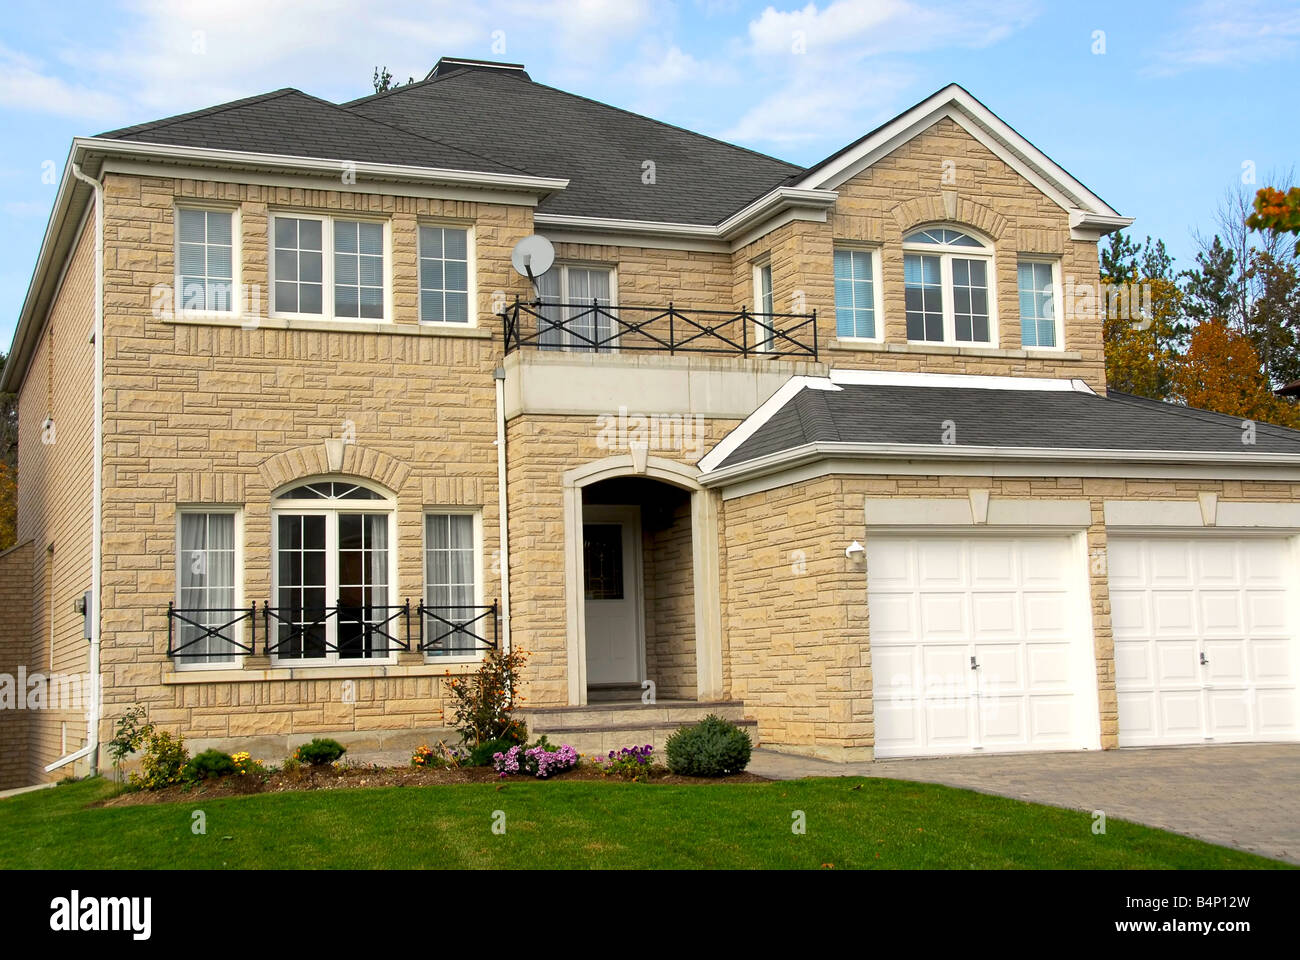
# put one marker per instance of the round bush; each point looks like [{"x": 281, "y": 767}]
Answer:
[
  {"x": 209, "y": 765},
  {"x": 319, "y": 752},
  {"x": 481, "y": 756},
  {"x": 711, "y": 748}
]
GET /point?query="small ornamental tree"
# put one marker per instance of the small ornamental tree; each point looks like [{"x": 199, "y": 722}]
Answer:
[{"x": 487, "y": 699}]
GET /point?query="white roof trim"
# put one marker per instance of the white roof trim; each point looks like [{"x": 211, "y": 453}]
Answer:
[
  {"x": 955, "y": 103},
  {"x": 810, "y": 452},
  {"x": 764, "y": 208},
  {"x": 963, "y": 381},
  {"x": 99, "y": 146},
  {"x": 749, "y": 426}
]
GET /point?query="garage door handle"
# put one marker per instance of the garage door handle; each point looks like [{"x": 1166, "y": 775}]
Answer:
[
  {"x": 1204, "y": 662},
  {"x": 973, "y": 664}
]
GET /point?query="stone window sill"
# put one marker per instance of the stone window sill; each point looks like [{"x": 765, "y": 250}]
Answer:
[
  {"x": 334, "y": 326},
  {"x": 350, "y": 672}
]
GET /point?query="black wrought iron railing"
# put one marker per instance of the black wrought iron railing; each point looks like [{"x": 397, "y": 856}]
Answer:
[
  {"x": 209, "y": 633},
  {"x": 360, "y": 631},
  {"x": 604, "y": 328},
  {"x": 457, "y": 630}
]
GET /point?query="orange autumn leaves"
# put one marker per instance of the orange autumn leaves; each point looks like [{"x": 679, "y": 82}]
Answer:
[
  {"x": 1276, "y": 211},
  {"x": 1221, "y": 371}
]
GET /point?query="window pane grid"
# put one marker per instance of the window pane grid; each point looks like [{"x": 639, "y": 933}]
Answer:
[
  {"x": 299, "y": 265},
  {"x": 358, "y": 270},
  {"x": 923, "y": 296},
  {"x": 444, "y": 275},
  {"x": 1037, "y": 304},
  {"x": 970, "y": 300},
  {"x": 205, "y": 259},
  {"x": 855, "y": 304}
]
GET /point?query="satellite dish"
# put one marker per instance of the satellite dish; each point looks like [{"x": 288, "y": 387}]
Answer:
[{"x": 532, "y": 256}]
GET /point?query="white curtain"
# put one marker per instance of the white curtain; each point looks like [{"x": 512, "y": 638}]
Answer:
[
  {"x": 550, "y": 337},
  {"x": 586, "y": 285},
  {"x": 376, "y": 533},
  {"x": 207, "y": 583}
]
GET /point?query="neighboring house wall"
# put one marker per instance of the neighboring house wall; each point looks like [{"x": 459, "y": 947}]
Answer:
[
  {"x": 796, "y": 607},
  {"x": 55, "y": 497},
  {"x": 15, "y": 643}
]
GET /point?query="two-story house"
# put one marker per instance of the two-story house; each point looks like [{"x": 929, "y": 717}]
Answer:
[{"x": 828, "y": 450}]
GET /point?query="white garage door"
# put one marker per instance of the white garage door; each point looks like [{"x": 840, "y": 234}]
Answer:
[
  {"x": 980, "y": 644},
  {"x": 1205, "y": 639}
]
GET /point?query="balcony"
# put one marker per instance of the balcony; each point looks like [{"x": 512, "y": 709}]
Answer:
[
  {"x": 596, "y": 359},
  {"x": 596, "y": 327}
]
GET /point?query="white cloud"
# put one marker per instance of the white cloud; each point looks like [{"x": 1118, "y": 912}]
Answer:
[
  {"x": 1230, "y": 33},
  {"x": 25, "y": 85},
  {"x": 841, "y": 67}
]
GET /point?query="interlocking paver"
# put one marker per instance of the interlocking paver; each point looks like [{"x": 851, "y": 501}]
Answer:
[{"x": 1240, "y": 795}]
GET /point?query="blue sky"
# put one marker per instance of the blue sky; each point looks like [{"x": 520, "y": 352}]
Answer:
[{"x": 1154, "y": 105}]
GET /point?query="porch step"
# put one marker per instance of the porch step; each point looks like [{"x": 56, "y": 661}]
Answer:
[{"x": 598, "y": 728}]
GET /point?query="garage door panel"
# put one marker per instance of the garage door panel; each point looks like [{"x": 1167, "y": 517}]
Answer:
[
  {"x": 1171, "y": 613},
  {"x": 1275, "y": 712},
  {"x": 943, "y": 600},
  {"x": 1128, "y": 613},
  {"x": 944, "y": 615},
  {"x": 1205, "y": 638},
  {"x": 1134, "y": 665},
  {"x": 892, "y": 617}
]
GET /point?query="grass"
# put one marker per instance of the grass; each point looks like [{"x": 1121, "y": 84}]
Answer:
[{"x": 851, "y": 823}]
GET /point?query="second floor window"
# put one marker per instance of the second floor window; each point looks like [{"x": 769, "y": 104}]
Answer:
[
  {"x": 1037, "y": 304},
  {"x": 946, "y": 286},
  {"x": 444, "y": 275},
  {"x": 205, "y": 260},
  {"x": 586, "y": 323},
  {"x": 326, "y": 267},
  {"x": 855, "y": 294},
  {"x": 764, "y": 307}
]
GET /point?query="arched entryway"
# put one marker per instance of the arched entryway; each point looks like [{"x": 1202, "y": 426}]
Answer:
[{"x": 641, "y": 567}]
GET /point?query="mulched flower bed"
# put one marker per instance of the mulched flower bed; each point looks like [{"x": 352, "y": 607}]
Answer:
[{"x": 330, "y": 778}]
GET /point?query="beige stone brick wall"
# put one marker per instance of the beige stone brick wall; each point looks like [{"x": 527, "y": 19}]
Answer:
[
  {"x": 670, "y": 608},
  {"x": 798, "y": 643},
  {"x": 199, "y": 414},
  {"x": 904, "y": 190},
  {"x": 15, "y": 645}
]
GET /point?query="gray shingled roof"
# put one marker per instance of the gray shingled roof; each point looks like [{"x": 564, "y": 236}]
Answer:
[
  {"x": 1050, "y": 419},
  {"x": 291, "y": 123},
  {"x": 496, "y": 121}
]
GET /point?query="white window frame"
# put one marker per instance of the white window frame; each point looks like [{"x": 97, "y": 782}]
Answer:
[
  {"x": 1057, "y": 300},
  {"x": 763, "y": 340},
  {"x": 242, "y": 630},
  {"x": 471, "y": 274},
  {"x": 946, "y": 252},
  {"x": 236, "y": 260},
  {"x": 877, "y": 271},
  {"x": 460, "y": 511},
  {"x": 327, "y": 221},
  {"x": 280, "y": 507},
  {"x": 564, "y": 266}
]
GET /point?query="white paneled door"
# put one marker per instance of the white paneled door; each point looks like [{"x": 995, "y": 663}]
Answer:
[
  {"x": 980, "y": 644},
  {"x": 1205, "y": 639}
]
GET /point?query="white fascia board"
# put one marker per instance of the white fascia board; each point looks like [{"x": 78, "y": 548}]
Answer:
[
  {"x": 754, "y": 215},
  {"x": 750, "y": 425},
  {"x": 963, "y": 381},
  {"x": 524, "y": 183},
  {"x": 809, "y": 452},
  {"x": 956, "y": 104}
]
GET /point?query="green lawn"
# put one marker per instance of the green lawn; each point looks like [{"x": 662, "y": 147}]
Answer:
[{"x": 851, "y": 822}]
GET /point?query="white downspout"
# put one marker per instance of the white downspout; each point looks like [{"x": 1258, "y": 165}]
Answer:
[
  {"x": 503, "y": 523},
  {"x": 97, "y": 483}
]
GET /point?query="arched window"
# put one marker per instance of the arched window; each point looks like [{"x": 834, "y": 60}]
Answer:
[
  {"x": 948, "y": 287},
  {"x": 334, "y": 572}
]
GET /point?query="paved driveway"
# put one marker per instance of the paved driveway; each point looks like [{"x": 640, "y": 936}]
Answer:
[{"x": 1239, "y": 795}]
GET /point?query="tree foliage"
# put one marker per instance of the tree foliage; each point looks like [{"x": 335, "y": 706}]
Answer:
[{"x": 1276, "y": 211}]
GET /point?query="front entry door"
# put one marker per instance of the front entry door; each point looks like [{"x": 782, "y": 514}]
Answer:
[{"x": 611, "y": 574}]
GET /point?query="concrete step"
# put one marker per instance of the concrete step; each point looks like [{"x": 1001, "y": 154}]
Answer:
[
  {"x": 599, "y": 742},
  {"x": 597, "y": 716}
]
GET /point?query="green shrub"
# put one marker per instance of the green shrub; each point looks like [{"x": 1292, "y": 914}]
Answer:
[
  {"x": 481, "y": 756},
  {"x": 319, "y": 752},
  {"x": 163, "y": 762},
  {"x": 711, "y": 748},
  {"x": 133, "y": 730},
  {"x": 486, "y": 700},
  {"x": 209, "y": 765}
]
